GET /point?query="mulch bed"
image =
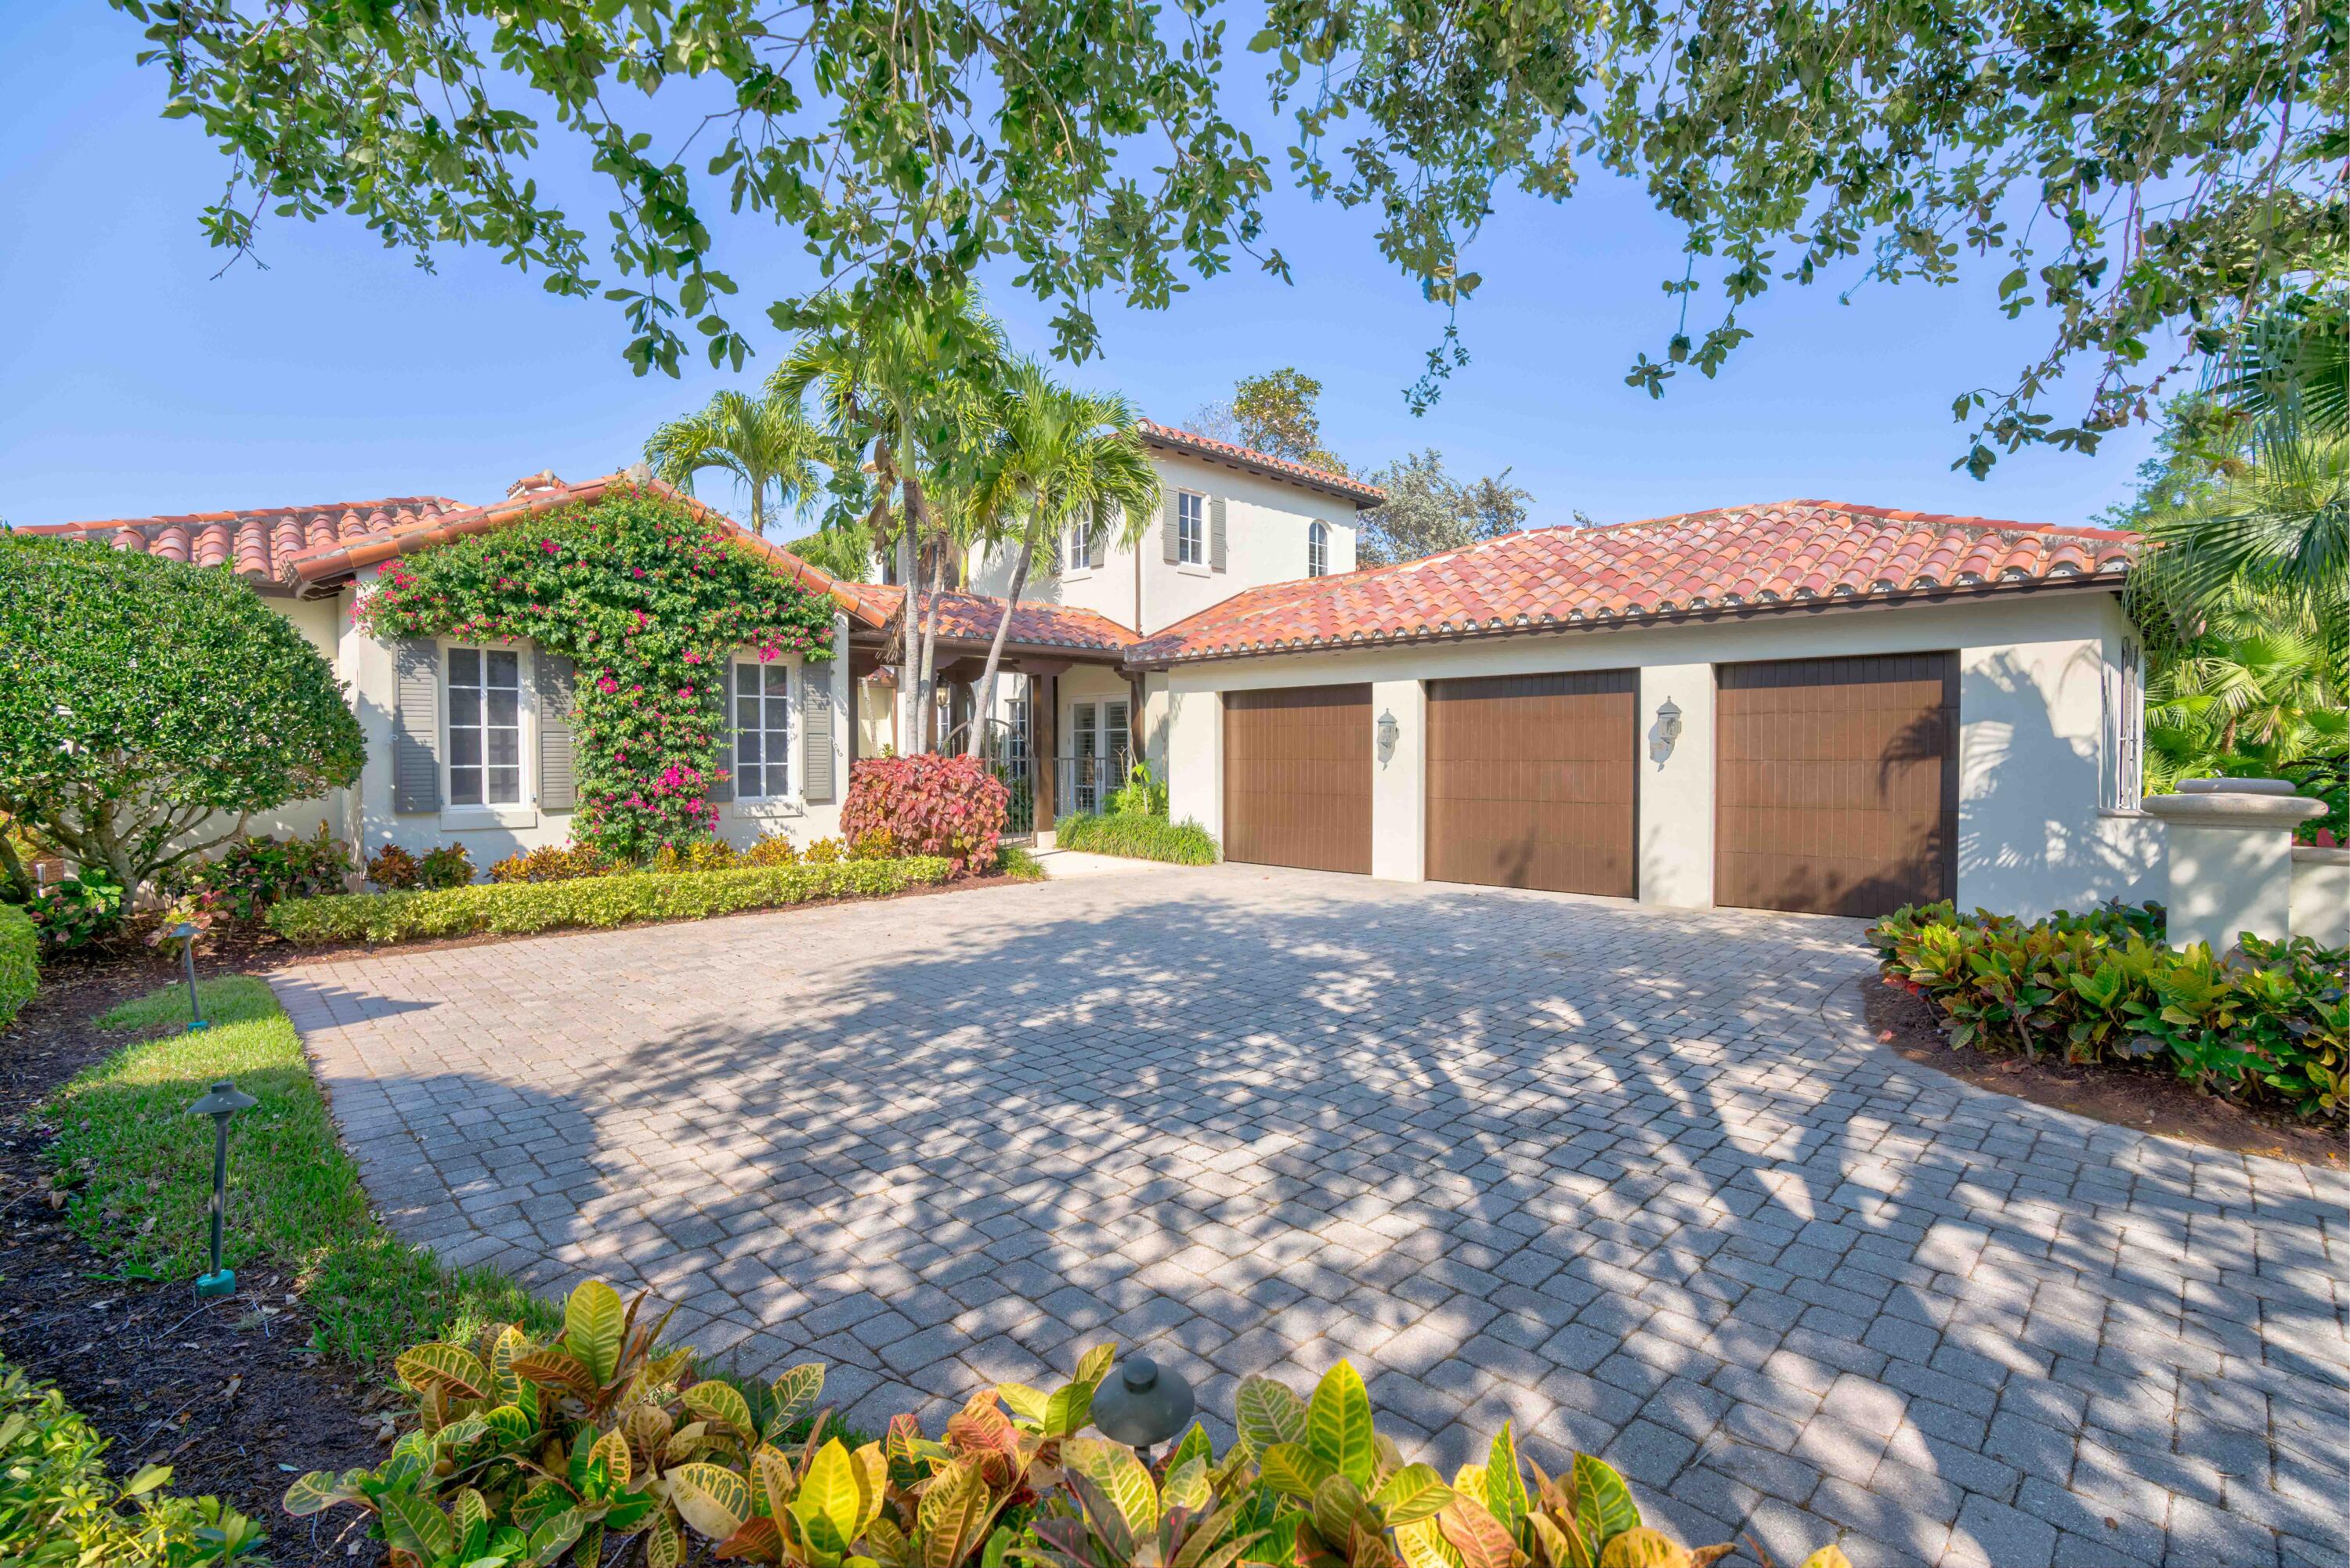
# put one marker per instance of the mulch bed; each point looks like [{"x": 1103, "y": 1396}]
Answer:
[
  {"x": 225, "y": 1392},
  {"x": 2119, "y": 1093}
]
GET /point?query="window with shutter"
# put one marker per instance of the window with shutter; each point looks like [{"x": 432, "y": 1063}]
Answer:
[
  {"x": 416, "y": 727},
  {"x": 762, "y": 722},
  {"x": 816, "y": 747},
  {"x": 558, "y": 770},
  {"x": 485, "y": 726}
]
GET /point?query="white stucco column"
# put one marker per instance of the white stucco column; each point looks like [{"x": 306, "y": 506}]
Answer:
[
  {"x": 1195, "y": 759},
  {"x": 2321, "y": 894},
  {"x": 1677, "y": 787},
  {"x": 1399, "y": 782},
  {"x": 2230, "y": 855}
]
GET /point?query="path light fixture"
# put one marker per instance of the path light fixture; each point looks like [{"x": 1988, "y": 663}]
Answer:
[
  {"x": 223, "y": 1102},
  {"x": 1142, "y": 1405},
  {"x": 1668, "y": 730},
  {"x": 185, "y": 934}
]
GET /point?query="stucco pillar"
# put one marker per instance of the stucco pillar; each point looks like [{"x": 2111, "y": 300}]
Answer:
[
  {"x": 2321, "y": 894},
  {"x": 2229, "y": 856},
  {"x": 1677, "y": 787},
  {"x": 1195, "y": 759},
  {"x": 1399, "y": 782}
]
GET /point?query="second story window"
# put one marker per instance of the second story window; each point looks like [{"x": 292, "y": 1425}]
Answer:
[
  {"x": 1318, "y": 550},
  {"x": 1077, "y": 558},
  {"x": 1190, "y": 529}
]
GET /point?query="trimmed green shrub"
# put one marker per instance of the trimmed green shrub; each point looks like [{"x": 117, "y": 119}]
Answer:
[
  {"x": 551, "y": 863},
  {"x": 2274, "y": 1028},
  {"x": 517, "y": 907},
  {"x": 59, "y": 1509},
  {"x": 1138, "y": 837},
  {"x": 144, "y": 703},
  {"x": 20, "y": 952},
  {"x": 450, "y": 865},
  {"x": 524, "y": 1452}
]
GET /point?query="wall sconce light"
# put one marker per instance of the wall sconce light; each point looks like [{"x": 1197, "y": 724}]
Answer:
[
  {"x": 1668, "y": 730},
  {"x": 1389, "y": 731}
]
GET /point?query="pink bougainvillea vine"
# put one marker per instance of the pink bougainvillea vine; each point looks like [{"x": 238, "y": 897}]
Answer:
[{"x": 644, "y": 599}]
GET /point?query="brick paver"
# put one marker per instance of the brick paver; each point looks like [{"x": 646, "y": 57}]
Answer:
[{"x": 1638, "y": 1181}]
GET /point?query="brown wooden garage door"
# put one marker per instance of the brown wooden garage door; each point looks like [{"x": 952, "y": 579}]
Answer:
[
  {"x": 1531, "y": 781},
  {"x": 1836, "y": 784},
  {"x": 1297, "y": 777}
]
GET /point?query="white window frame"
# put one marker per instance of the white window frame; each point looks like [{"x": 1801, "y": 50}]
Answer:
[
  {"x": 1191, "y": 528},
  {"x": 521, "y": 812},
  {"x": 2125, "y": 780},
  {"x": 1078, "y": 560},
  {"x": 794, "y": 788},
  {"x": 1317, "y": 548}
]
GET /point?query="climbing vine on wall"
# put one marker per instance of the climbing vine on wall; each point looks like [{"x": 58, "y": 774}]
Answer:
[{"x": 648, "y": 601}]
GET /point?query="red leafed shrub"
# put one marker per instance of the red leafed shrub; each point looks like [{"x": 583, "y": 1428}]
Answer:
[{"x": 926, "y": 806}]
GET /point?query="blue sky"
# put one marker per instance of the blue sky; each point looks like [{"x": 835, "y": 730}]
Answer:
[{"x": 137, "y": 381}]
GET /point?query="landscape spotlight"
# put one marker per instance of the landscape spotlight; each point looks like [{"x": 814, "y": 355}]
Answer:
[{"x": 224, "y": 1101}]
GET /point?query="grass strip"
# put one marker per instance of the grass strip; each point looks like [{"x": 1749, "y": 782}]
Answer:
[{"x": 139, "y": 1170}]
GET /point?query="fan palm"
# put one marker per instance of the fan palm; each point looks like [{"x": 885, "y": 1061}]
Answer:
[
  {"x": 768, "y": 444},
  {"x": 1062, "y": 461}
]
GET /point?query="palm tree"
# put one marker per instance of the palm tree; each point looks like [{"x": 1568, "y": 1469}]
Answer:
[
  {"x": 896, "y": 395},
  {"x": 1062, "y": 461},
  {"x": 768, "y": 444}
]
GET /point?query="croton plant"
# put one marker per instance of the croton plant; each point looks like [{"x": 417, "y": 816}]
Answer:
[{"x": 603, "y": 1446}]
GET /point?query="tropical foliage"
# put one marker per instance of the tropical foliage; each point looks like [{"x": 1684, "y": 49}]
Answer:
[
  {"x": 1138, "y": 835},
  {"x": 767, "y": 444},
  {"x": 648, "y": 601},
  {"x": 2240, "y": 601},
  {"x": 2131, "y": 175},
  {"x": 60, "y": 1508},
  {"x": 20, "y": 969},
  {"x": 539, "y": 1452},
  {"x": 930, "y": 806},
  {"x": 258, "y": 871},
  {"x": 78, "y": 909},
  {"x": 148, "y": 708},
  {"x": 2273, "y": 1030}
]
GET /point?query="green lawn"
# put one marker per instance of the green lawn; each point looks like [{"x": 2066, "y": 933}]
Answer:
[{"x": 294, "y": 1196}]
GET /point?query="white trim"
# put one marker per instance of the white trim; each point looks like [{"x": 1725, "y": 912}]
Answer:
[
  {"x": 1200, "y": 535},
  {"x": 794, "y": 798},
  {"x": 522, "y": 811}
]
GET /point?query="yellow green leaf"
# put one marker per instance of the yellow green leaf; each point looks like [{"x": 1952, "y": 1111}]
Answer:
[
  {"x": 593, "y": 1322},
  {"x": 1121, "y": 1478},
  {"x": 1187, "y": 1485},
  {"x": 713, "y": 1500},
  {"x": 612, "y": 1450},
  {"x": 1415, "y": 1491},
  {"x": 1267, "y": 1413},
  {"x": 1295, "y": 1470},
  {"x": 1338, "y": 1424},
  {"x": 953, "y": 1517},
  {"x": 452, "y": 1364},
  {"x": 715, "y": 1401}
]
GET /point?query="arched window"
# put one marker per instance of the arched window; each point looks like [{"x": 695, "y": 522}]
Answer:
[{"x": 1318, "y": 550}]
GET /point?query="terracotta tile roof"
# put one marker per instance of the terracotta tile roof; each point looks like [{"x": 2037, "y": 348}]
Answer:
[
  {"x": 256, "y": 543},
  {"x": 1344, "y": 486},
  {"x": 1785, "y": 555},
  {"x": 972, "y": 617}
]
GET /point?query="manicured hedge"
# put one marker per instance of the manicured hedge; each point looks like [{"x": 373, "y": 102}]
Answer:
[
  {"x": 1138, "y": 837},
  {"x": 2274, "y": 1028},
  {"x": 513, "y": 908},
  {"x": 20, "y": 947}
]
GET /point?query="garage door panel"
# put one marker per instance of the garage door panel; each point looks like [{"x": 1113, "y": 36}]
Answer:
[
  {"x": 1532, "y": 782},
  {"x": 1297, "y": 777},
  {"x": 1837, "y": 783}
]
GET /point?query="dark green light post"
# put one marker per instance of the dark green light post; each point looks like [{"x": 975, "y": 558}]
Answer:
[
  {"x": 224, "y": 1101},
  {"x": 185, "y": 934},
  {"x": 1142, "y": 1405}
]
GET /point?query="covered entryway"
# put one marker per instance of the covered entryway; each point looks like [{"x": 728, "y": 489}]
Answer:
[
  {"x": 1297, "y": 777},
  {"x": 1533, "y": 781},
  {"x": 1836, "y": 784}
]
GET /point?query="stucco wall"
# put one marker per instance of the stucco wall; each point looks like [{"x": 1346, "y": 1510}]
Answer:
[
  {"x": 2032, "y": 836},
  {"x": 1265, "y": 523}
]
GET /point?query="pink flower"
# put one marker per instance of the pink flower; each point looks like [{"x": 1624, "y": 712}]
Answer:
[
  {"x": 607, "y": 686},
  {"x": 693, "y": 658},
  {"x": 552, "y": 547}
]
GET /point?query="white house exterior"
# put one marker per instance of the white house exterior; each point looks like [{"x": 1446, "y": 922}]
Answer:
[{"x": 1801, "y": 706}]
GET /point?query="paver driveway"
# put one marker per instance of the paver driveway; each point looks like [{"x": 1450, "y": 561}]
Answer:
[{"x": 1636, "y": 1181}]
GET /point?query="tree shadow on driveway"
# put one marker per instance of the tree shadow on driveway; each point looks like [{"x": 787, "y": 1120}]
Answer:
[{"x": 1635, "y": 1180}]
